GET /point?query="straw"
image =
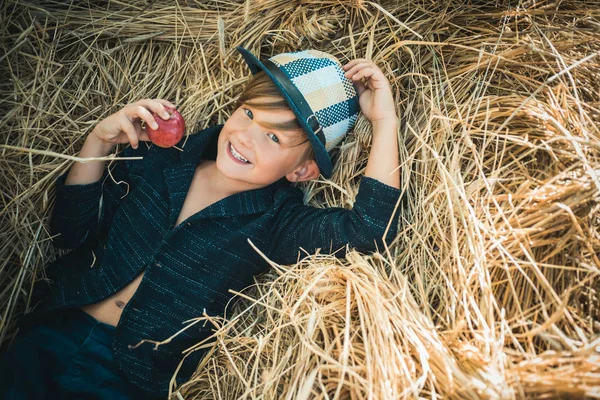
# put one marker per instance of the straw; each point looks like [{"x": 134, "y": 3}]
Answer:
[{"x": 491, "y": 287}]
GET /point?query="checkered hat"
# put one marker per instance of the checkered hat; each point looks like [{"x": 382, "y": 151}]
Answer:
[{"x": 314, "y": 86}]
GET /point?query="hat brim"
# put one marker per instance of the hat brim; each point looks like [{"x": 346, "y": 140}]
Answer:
[{"x": 321, "y": 154}]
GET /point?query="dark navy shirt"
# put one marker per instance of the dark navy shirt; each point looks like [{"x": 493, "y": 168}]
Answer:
[{"x": 124, "y": 224}]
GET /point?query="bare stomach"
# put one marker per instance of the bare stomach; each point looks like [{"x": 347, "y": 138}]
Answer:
[{"x": 110, "y": 309}]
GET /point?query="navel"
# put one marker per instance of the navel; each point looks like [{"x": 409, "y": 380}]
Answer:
[{"x": 120, "y": 303}]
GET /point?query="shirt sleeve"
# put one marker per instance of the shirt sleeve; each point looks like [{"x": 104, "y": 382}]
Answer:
[
  {"x": 301, "y": 227},
  {"x": 82, "y": 212}
]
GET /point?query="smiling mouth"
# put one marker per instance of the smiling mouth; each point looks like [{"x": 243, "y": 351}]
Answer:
[{"x": 237, "y": 155}]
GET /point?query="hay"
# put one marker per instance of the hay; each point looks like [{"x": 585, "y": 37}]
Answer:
[{"x": 491, "y": 288}]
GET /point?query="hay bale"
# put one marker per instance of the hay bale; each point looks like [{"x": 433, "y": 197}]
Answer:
[{"x": 490, "y": 289}]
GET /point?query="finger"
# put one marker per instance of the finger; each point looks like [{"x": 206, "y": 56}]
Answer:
[
  {"x": 148, "y": 103},
  {"x": 143, "y": 113},
  {"x": 358, "y": 63},
  {"x": 141, "y": 132},
  {"x": 158, "y": 107},
  {"x": 166, "y": 103},
  {"x": 357, "y": 67},
  {"x": 353, "y": 62},
  {"x": 126, "y": 126},
  {"x": 366, "y": 72},
  {"x": 376, "y": 79},
  {"x": 161, "y": 109},
  {"x": 360, "y": 87}
]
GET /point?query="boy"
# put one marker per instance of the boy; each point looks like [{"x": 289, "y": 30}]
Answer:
[{"x": 160, "y": 240}]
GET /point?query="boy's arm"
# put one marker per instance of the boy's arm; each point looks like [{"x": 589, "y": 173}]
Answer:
[
  {"x": 84, "y": 173},
  {"x": 88, "y": 195},
  {"x": 383, "y": 158},
  {"x": 377, "y": 104},
  {"x": 376, "y": 206},
  {"x": 299, "y": 226}
]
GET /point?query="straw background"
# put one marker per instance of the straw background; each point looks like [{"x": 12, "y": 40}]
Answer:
[{"x": 491, "y": 288}]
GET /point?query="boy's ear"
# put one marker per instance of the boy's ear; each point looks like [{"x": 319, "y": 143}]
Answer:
[{"x": 305, "y": 172}]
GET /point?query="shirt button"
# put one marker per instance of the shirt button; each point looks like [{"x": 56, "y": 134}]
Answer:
[{"x": 158, "y": 264}]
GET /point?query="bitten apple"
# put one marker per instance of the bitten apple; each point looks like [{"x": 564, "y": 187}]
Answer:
[{"x": 169, "y": 132}]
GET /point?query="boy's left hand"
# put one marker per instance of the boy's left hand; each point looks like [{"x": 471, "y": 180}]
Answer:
[{"x": 375, "y": 95}]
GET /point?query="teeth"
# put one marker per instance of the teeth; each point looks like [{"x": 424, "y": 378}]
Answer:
[{"x": 236, "y": 154}]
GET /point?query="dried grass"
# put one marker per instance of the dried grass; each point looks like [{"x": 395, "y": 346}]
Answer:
[{"x": 491, "y": 288}]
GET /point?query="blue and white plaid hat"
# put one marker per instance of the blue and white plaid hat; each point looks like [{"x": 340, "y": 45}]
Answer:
[{"x": 314, "y": 86}]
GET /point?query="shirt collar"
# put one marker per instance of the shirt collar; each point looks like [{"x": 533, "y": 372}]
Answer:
[{"x": 178, "y": 178}]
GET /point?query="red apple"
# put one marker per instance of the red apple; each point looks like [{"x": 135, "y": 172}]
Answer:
[{"x": 169, "y": 132}]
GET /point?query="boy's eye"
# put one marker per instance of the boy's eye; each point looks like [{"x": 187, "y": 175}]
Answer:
[{"x": 270, "y": 135}]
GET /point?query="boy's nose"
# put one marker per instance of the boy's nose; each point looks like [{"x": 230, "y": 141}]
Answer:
[{"x": 245, "y": 138}]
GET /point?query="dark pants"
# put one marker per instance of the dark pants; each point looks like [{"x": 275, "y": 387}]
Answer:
[{"x": 67, "y": 358}]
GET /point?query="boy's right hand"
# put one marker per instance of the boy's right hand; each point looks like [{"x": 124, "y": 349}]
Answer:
[{"x": 125, "y": 126}]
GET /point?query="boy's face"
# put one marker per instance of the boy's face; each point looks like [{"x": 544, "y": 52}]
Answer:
[{"x": 252, "y": 153}]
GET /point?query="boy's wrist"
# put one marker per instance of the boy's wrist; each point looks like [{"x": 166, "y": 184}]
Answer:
[
  {"x": 387, "y": 121},
  {"x": 384, "y": 128},
  {"x": 96, "y": 145}
]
